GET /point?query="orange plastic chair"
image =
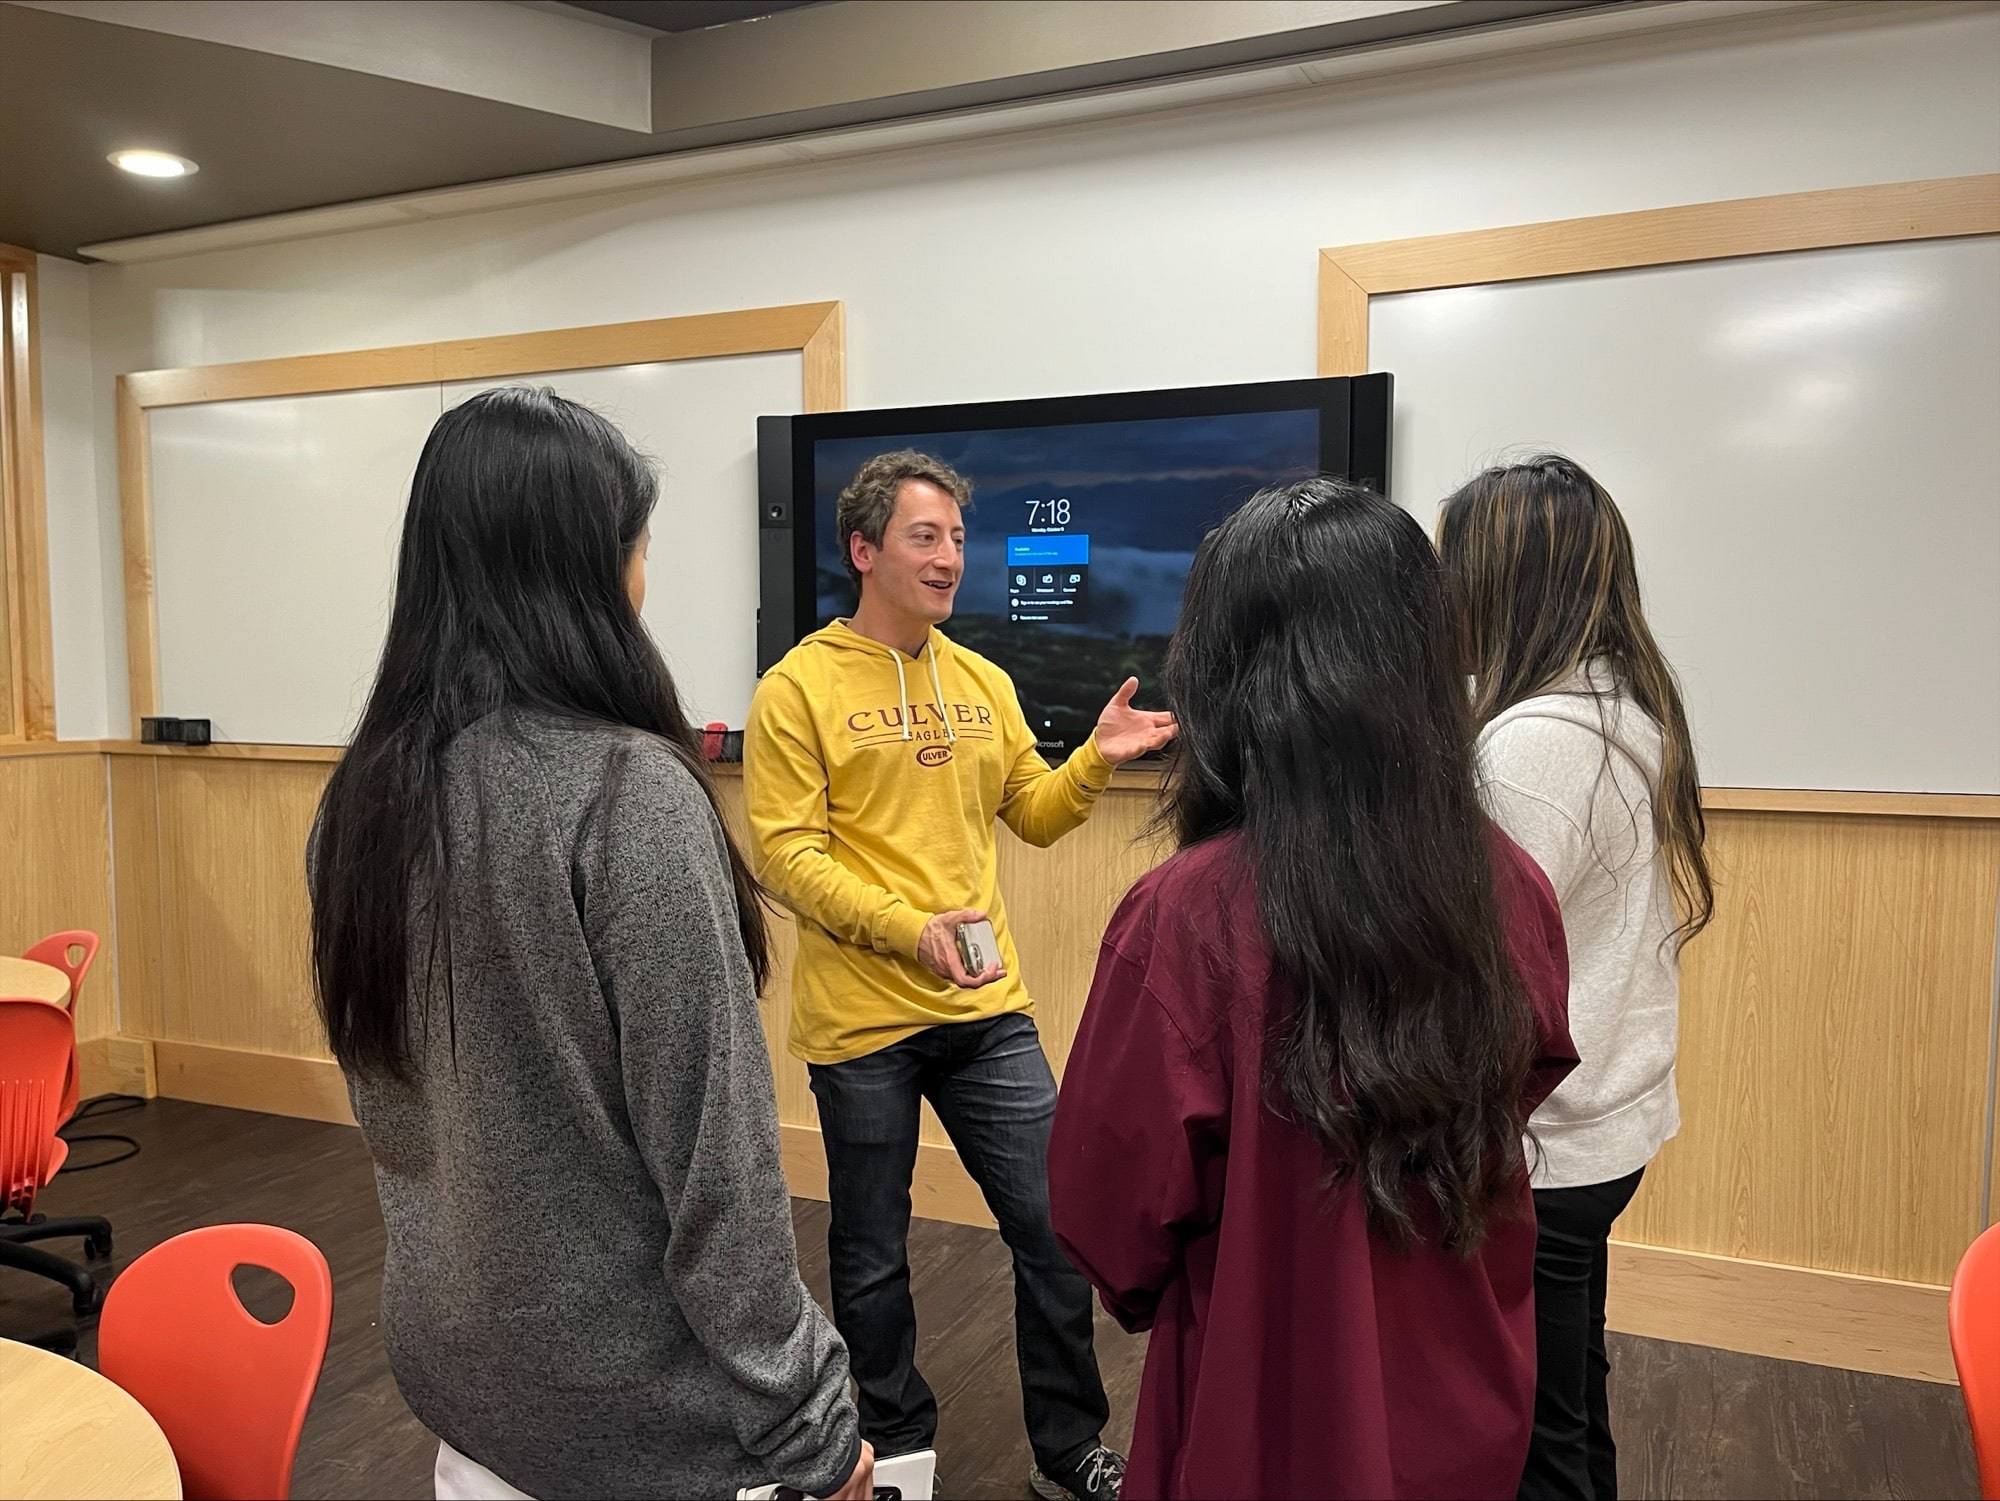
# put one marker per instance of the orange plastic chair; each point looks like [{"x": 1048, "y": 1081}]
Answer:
[
  {"x": 229, "y": 1391},
  {"x": 72, "y": 953},
  {"x": 1974, "y": 1316},
  {"x": 37, "y": 1045}
]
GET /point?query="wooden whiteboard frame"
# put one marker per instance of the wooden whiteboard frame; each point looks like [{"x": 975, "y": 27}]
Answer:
[
  {"x": 27, "y": 688},
  {"x": 1887, "y": 213},
  {"x": 816, "y": 330}
]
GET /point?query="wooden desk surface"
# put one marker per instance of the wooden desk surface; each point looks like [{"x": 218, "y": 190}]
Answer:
[
  {"x": 69, "y": 1432},
  {"x": 41, "y": 982}
]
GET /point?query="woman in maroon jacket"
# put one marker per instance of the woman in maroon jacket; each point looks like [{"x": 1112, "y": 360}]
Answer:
[{"x": 1290, "y": 1137}]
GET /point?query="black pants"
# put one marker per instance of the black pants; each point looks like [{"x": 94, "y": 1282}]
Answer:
[
  {"x": 1572, "y": 1454},
  {"x": 991, "y": 1087}
]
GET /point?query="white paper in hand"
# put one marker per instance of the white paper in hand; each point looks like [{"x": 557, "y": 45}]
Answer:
[{"x": 911, "y": 1474}]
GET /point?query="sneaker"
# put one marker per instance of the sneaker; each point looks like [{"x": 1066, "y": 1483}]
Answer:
[{"x": 1095, "y": 1475}]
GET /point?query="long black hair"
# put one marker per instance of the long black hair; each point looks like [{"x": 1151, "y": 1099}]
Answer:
[
  {"x": 510, "y": 595},
  {"x": 1323, "y": 721}
]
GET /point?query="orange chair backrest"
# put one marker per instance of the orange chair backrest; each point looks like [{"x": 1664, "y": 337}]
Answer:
[
  {"x": 229, "y": 1391},
  {"x": 1975, "y": 1348},
  {"x": 36, "y": 1041},
  {"x": 71, "y": 953}
]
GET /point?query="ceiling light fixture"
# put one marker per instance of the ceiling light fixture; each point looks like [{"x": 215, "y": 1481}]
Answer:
[{"x": 152, "y": 164}]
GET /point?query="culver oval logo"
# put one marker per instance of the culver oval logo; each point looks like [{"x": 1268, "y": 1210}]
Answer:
[{"x": 934, "y": 755}]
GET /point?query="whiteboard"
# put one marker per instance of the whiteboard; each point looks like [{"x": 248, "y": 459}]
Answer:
[
  {"x": 697, "y": 420},
  {"x": 1807, "y": 450},
  {"x": 276, "y": 523}
]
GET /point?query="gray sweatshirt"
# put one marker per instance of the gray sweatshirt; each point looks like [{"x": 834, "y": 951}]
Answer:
[{"x": 591, "y": 1285}]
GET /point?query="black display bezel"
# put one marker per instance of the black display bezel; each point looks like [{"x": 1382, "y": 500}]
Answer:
[{"x": 1353, "y": 442}]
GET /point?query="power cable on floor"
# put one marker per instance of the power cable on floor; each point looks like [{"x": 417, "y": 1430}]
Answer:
[{"x": 90, "y": 1109}]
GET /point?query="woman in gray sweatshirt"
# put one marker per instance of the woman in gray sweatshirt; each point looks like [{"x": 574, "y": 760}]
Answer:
[
  {"x": 538, "y": 955},
  {"x": 1586, "y": 761}
]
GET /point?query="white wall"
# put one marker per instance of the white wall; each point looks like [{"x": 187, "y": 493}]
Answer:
[
  {"x": 1148, "y": 251},
  {"x": 78, "y": 545}
]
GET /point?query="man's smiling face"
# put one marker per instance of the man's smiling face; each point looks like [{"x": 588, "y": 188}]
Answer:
[{"x": 916, "y": 570}]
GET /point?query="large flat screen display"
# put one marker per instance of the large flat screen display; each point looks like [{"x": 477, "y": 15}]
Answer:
[{"x": 1085, "y": 518}]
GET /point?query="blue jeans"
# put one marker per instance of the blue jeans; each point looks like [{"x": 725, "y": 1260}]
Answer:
[{"x": 991, "y": 1087}]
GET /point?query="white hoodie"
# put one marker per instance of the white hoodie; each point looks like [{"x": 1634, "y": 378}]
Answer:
[{"x": 1569, "y": 775}]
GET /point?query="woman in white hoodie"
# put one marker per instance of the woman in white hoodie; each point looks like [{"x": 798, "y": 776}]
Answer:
[{"x": 1586, "y": 761}]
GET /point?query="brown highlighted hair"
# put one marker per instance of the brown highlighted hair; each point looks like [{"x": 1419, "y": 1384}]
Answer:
[
  {"x": 1543, "y": 565},
  {"x": 870, "y": 497}
]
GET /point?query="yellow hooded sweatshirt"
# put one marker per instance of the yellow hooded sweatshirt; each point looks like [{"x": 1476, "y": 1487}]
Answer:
[{"x": 873, "y": 779}]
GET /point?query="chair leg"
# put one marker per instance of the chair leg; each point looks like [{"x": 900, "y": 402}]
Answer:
[
  {"x": 84, "y": 1293},
  {"x": 94, "y": 1229}
]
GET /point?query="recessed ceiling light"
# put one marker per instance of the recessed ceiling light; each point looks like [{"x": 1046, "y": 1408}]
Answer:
[{"x": 152, "y": 164}]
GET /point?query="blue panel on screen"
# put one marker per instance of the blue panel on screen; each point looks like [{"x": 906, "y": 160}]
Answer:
[{"x": 1068, "y": 547}]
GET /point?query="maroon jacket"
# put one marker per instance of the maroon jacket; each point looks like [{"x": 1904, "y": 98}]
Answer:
[{"x": 1293, "y": 1352}]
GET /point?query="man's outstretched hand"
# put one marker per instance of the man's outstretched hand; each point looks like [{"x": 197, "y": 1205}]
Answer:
[
  {"x": 937, "y": 951},
  {"x": 1125, "y": 733}
]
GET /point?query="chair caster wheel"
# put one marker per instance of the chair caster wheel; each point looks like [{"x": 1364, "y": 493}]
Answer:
[{"x": 98, "y": 1248}]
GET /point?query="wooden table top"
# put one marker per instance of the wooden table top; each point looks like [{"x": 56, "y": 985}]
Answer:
[
  {"x": 41, "y": 982},
  {"x": 71, "y": 1433}
]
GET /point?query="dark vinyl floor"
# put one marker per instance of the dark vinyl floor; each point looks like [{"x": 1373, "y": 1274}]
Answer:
[{"x": 1693, "y": 1422}]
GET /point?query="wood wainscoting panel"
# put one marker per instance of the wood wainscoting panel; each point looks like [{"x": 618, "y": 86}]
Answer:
[
  {"x": 1061, "y": 899},
  {"x": 233, "y": 910},
  {"x": 1786, "y": 1312},
  {"x": 273, "y": 1083},
  {"x": 795, "y": 1101},
  {"x": 1833, "y": 1058},
  {"x": 135, "y": 867},
  {"x": 55, "y": 867},
  {"x": 117, "y": 1065},
  {"x": 1993, "y": 1122},
  {"x": 1834, "y": 1034}
]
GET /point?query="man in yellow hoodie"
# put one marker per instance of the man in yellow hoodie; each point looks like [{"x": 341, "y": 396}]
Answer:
[{"x": 877, "y": 757}]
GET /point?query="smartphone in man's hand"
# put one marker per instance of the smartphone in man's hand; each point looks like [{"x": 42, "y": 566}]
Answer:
[{"x": 978, "y": 948}]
